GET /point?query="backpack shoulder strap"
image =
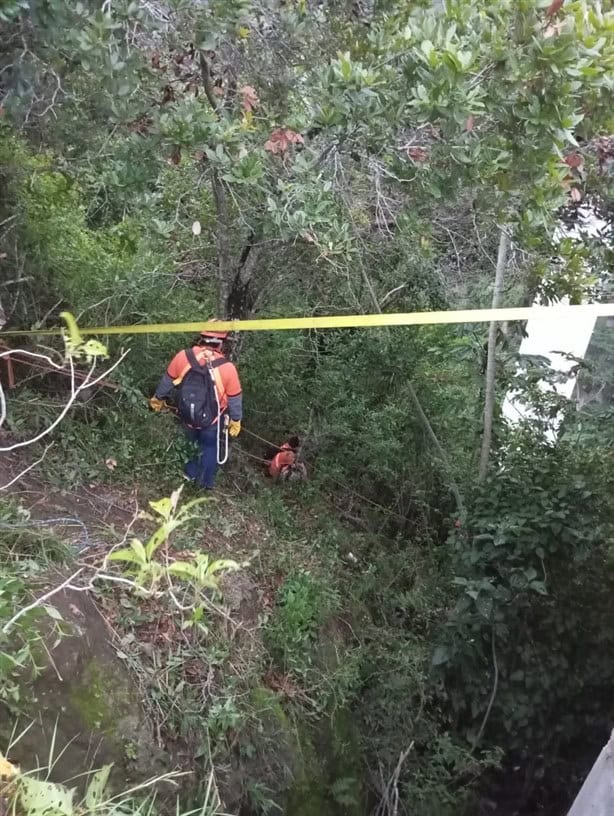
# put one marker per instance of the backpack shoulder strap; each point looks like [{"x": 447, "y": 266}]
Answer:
[
  {"x": 195, "y": 364},
  {"x": 192, "y": 364},
  {"x": 192, "y": 359}
]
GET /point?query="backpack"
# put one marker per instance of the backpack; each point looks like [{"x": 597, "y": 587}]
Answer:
[{"x": 197, "y": 400}]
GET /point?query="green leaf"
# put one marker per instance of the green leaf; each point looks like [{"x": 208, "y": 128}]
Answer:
[
  {"x": 163, "y": 507},
  {"x": 539, "y": 587},
  {"x": 183, "y": 569},
  {"x": 94, "y": 794},
  {"x": 426, "y": 47},
  {"x": 126, "y": 554},
  {"x": 155, "y": 540},
  {"x": 222, "y": 564},
  {"x": 346, "y": 66},
  {"x": 484, "y": 605},
  {"x": 139, "y": 551},
  {"x": 45, "y": 798},
  {"x": 53, "y": 613}
]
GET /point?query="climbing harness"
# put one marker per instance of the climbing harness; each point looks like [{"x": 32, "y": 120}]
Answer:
[{"x": 221, "y": 433}]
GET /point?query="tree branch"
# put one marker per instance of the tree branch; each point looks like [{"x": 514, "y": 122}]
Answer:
[
  {"x": 493, "y": 693},
  {"x": 249, "y": 261},
  {"x": 39, "y": 601},
  {"x": 74, "y": 394},
  {"x": 222, "y": 242},
  {"x": 207, "y": 83},
  {"x": 222, "y": 219},
  {"x": 25, "y": 470}
]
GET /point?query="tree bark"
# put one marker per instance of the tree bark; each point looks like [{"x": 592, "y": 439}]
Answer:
[
  {"x": 222, "y": 242},
  {"x": 491, "y": 358}
]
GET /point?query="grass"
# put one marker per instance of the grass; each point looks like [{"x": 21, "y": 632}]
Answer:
[{"x": 197, "y": 681}]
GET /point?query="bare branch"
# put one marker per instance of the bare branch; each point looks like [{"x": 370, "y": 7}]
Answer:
[
  {"x": 74, "y": 394},
  {"x": 26, "y": 470},
  {"x": 392, "y": 292},
  {"x": 207, "y": 83},
  {"x": 39, "y": 601},
  {"x": 493, "y": 694},
  {"x": 389, "y": 790}
]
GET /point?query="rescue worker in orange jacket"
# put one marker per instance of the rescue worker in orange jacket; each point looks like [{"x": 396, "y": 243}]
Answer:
[
  {"x": 207, "y": 350},
  {"x": 284, "y": 460}
]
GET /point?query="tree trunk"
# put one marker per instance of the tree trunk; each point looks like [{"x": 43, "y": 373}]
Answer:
[
  {"x": 222, "y": 241},
  {"x": 491, "y": 359},
  {"x": 235, "y": 298},
  {"x": 241, "y": 296}
]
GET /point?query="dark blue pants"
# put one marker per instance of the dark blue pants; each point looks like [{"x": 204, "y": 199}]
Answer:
[{"x": 203, "y": 468}]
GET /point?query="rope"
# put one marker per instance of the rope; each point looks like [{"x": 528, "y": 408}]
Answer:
[
  {"x": 331, "y": 478},
  {"x": 65, "y": 522},
  {"x": 260, "y": 439}
]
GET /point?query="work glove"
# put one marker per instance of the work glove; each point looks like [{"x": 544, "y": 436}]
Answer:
[
  {"x": 157, "y": 405},
  {"x": 234, "y": 427}
]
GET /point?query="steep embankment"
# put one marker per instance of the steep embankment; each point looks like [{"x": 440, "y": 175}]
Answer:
[{"x": 255, "y": 684}]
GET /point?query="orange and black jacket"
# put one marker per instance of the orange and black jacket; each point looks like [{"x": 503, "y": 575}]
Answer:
[
  {"x": 227, "y": 383},
  {"x": 282, "y": 460}
]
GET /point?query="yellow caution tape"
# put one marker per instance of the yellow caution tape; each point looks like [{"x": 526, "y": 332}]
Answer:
[{"x": 370, "y": 321}]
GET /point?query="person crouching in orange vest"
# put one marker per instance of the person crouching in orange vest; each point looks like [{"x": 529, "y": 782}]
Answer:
[
  {"x": 284, "y": 466},
  {"x": 208, "y": 401}
]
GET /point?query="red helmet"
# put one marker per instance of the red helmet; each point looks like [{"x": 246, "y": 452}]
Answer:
[{"x": 214, "y": 334}]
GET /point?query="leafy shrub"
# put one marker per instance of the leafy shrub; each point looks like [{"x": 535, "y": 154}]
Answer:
[
  {"x": 303, "y": 604},
  {"x": 525, "y": 654}
]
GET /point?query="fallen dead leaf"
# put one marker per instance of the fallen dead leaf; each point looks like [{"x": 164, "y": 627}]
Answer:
[
  {"x": 281, "y": 139},
  {"x": 249, "y": 98},
  {"x": 175, "y": 156},
  {"x": 573, "y": 160},
  {"x": 417, "y": 154},
  {"x": 111, "y": 463}
]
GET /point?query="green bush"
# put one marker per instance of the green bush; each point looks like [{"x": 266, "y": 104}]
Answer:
[{"x": 303, "y": 604}]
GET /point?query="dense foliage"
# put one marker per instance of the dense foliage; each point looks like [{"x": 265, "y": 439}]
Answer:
[{"x": 166, "y": 161}]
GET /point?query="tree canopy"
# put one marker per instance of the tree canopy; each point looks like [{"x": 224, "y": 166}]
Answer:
[{"x": 444, "y": 578}]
